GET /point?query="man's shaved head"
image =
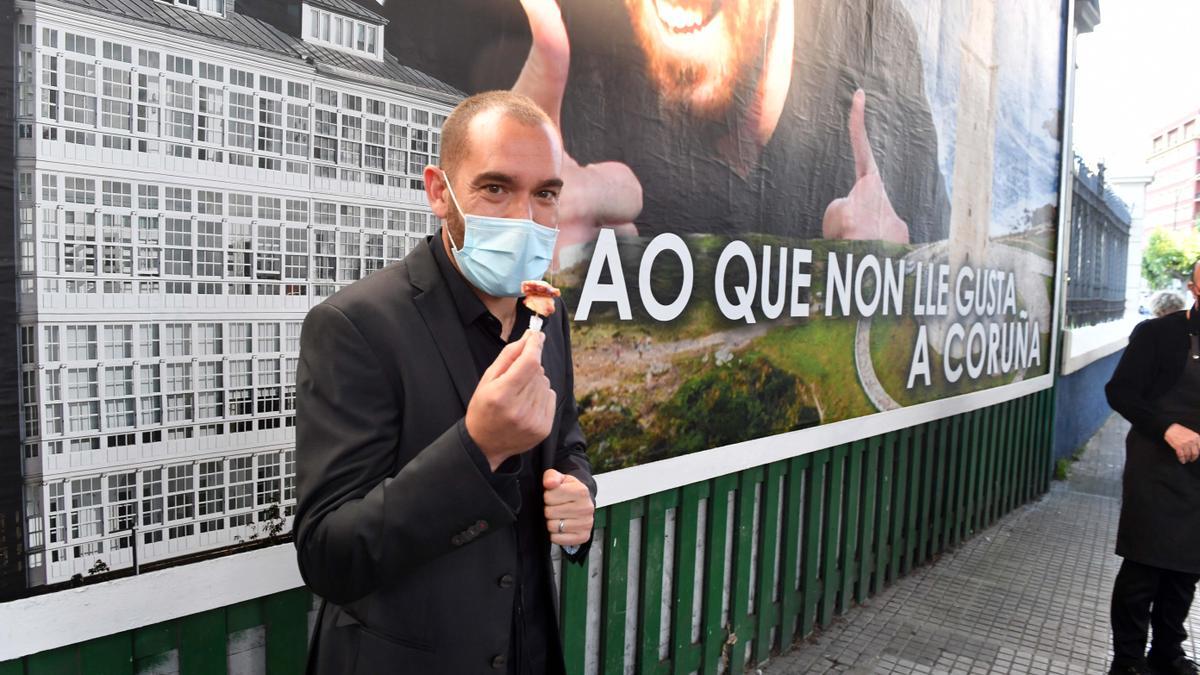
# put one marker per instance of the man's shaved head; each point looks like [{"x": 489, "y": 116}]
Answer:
[{"x": 456, "y": 130}]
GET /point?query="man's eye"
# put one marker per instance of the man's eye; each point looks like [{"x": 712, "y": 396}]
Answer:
[
  {"x": 493, "y": 189},
  {"x": 549, "y": 195}
]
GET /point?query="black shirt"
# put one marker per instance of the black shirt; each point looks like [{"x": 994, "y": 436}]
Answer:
[{"x": 516, "y": 481}]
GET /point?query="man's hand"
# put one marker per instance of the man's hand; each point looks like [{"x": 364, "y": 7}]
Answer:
[
  {"x": 512, "y": 409},
  {"x": 567, "y": 502},
  {"x": 603, "y": 194},
  {"x": 1184, "y": 441},
  {"x": 865, "y": 213}
]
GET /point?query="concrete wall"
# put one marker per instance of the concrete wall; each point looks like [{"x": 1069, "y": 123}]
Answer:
[{"x": 1080, "y": 407}]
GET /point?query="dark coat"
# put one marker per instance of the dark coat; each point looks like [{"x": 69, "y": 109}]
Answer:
[
  {"x": 397, "y": 529},
  {"x": 1149, "y": 368},
  {"x": 1157, "y": 385}
]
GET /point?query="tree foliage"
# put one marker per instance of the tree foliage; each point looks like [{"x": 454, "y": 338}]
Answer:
[{"x": 1168, "y": 256}]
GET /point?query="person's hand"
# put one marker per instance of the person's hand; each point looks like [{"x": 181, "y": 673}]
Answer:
[
  {"x": 1184, "y": 441},
  {"x": 604, "y": 194},
  {"x": 512, "y": 409},
  {"x": 865, "y": 213},
  {"x": 568, "y": 502}
]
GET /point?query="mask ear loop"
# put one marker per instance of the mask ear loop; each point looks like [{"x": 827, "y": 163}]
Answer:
[{"x": 446, "y": 180}]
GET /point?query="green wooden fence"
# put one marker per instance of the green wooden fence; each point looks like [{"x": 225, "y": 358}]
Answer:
[{"x": 722, "y": 573}]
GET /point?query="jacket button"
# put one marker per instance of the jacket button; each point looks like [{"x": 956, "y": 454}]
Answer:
[
  {"x": 457, "y": 540},
  {"x": 499, "y": 662},
  {"x": 506, "y": 581}
]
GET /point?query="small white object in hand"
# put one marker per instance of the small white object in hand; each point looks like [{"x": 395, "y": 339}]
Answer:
[{"x": 535, "y": 322}]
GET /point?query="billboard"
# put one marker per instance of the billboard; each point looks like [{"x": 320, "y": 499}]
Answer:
[
  {"x": 782, "y": 214},
  {"x": 785, "y": 224}
]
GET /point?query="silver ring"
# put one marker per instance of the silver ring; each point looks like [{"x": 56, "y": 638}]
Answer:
[{"x": 562, "y": 525}]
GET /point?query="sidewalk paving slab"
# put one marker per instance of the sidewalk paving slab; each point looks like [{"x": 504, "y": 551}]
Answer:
[{"x": 1028, "y": 595}]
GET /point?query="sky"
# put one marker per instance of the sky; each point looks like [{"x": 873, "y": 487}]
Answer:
[{"x": 1139, "y": 70}]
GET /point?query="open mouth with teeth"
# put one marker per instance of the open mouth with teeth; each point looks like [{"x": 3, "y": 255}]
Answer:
[{"x": 686, "y": 16}]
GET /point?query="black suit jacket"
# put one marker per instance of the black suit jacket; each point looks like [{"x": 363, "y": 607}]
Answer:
[
  {"x": 1150, "y": 367},
  {"x": 397, "y": 529}
]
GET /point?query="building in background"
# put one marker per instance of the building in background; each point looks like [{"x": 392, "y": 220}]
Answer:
[
  {"x": 1173, "y": 200},
  {"x": 1132, "y": 190},
  {"x": 1098, "y": 257},
  {"x": 191, "y": 177}
]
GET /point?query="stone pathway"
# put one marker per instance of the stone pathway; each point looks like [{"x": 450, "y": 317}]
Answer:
[{"x": 1028, "y": 595}]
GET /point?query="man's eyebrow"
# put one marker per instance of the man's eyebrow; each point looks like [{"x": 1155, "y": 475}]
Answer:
[
  {"x": 493, "y": 177},
  {"x": 552, "y": 183}
]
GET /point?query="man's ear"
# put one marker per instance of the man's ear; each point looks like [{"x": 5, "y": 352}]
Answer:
[{"x": 435, "y": 191}]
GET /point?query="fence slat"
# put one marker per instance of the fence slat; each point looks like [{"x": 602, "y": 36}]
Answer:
[
  {"x": 886, "y": 475},
  {"x": 766, "y": 607},
  {"x": 714, "y": 628},
  {"x": 866, "y": 566},
  {"x": 900, "y": 488},
  {"x": 650, "y": 616},
  {"x": 850, "y": 526},
  {"x": 202, "y": 643},
  {"x": 832, "y": 527},
  {"x": 917, "y": 447},
  {"x": 686, "y": 654},
  {"x": 814, "y": 500},
  {"x": 616, "y": 575},
  {"x": 791, "y": 573}
]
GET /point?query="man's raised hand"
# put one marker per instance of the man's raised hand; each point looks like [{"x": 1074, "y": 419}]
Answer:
[{"x": 512, "y": 409}]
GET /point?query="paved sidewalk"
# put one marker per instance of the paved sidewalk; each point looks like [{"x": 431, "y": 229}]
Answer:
[{"x": 1028, "y": 595}]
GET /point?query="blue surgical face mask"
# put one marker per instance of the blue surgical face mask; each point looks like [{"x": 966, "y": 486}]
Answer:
[{"x": 497, "y": 254}]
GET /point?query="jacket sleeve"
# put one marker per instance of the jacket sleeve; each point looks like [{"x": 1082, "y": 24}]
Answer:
[
  {"x": 571, "y": 457},
  {"x": 1126, "y": 391},
  {"x": 359, "y": 520}
]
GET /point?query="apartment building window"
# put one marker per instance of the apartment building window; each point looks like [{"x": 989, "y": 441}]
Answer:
[
  {"x": 351, "y": 146},
  {"x": 349, "y": 252},
  {"x": 209, "y": 377},
  {"x": 268, "y": 256},
  {"x": 296, "y": 260},
  {"x": 180, "y": 495},
  {"x": 29, "y": 404},
  {"x": 118, "y": 341},
  {"x": 239, "y": 338},
  {"x": 343, "y": 32},
  {"x": 297, "y": 130},
  {"x": 209, "y": 253},
  {"x": 52, "y": 405},
  {"x": 79, "y": 97},
  {"x": 81, "y": 343},
  {"x": 208, "y": 339},
  {"x": 270, "y": 125},
  {"x": 241, "y": 483},
  {"x": 118, "y": 394},
  {"x": 118, "y": 248},
  {"x": 241, "y": 119},
  {"x": 87, "y": 515},
  {"x": 117, "y": 193},
  {"x": 268, "y": 484},
  {"x": 152, "y": 503},
  {"x": 116, "y": 110},
  {"x": 178, "y": 339},
  {"x": 78, "y": 190},
  {"x": 150, "y": 379},
  {"x": 212, "y": 488}
]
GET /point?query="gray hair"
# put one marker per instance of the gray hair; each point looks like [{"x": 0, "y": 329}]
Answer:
[{"x": 1163, "y": 303}]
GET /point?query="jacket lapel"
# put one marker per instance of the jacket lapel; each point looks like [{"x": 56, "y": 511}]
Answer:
[{"x": 436, "y": 306}]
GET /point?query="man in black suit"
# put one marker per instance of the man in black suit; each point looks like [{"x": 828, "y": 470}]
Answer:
[
  {"x": 439, "y": 453},
  {"x": 1156, "y": 387}
]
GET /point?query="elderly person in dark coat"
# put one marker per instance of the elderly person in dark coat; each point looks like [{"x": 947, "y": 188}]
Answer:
[
  {"x": 1163, "y": 303},
  {"x": 1157, "y": 388}
]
